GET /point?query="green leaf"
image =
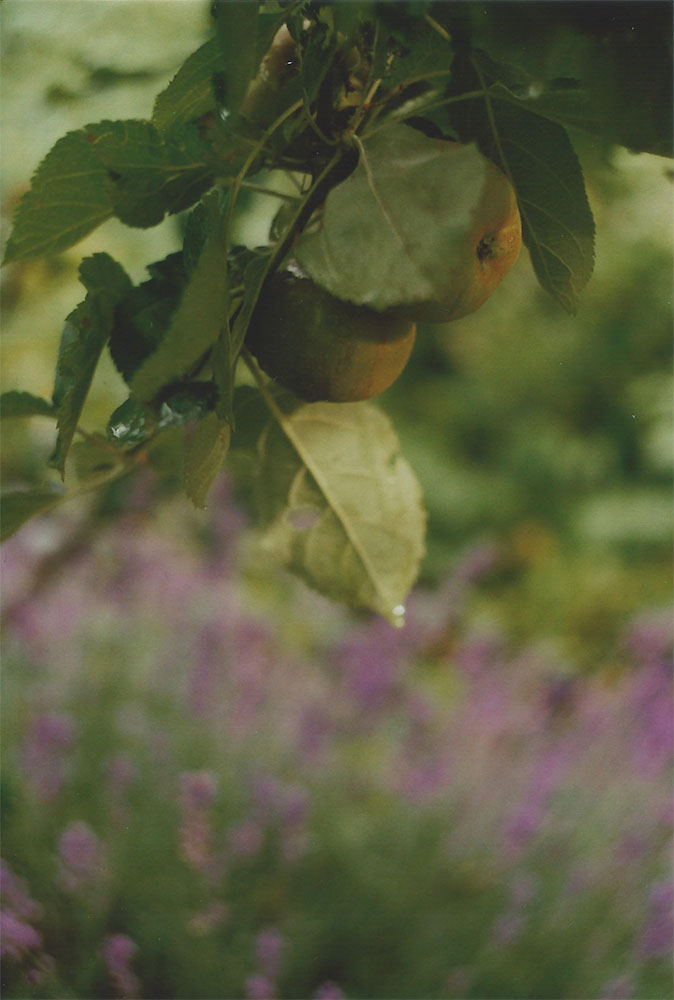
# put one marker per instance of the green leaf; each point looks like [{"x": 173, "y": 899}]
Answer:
[
  {"x": 230, "y": 343},
  {"x": 408, "y": 48},
  {"x": 237, "y": 28},
  {"x": 24, "y": 404},
  {"x": 143, "y": 316},
  {"x": 619, "y": 55},
  {"x": 340, "y": 505},
  {"x": 149, "y": 177},
  {"x": 571, "y": 107},
  {"x": 18, "y": 506},
  {"x": 83, "y": 338},
  {"x": 253, "y": 280},
  {"x": 196, "y": 323},
  {"x": 206, "y": 446},
  {"x": 408, "y": 211},
  {"x": 69, "y": 197},
  {"x": 189, "y": 95},
  {"x": 538, "y": 158},
  {"x": 348, "y": 17},
  {"x": 245, "y": 34},
  {"x": 317, "y": 53}
]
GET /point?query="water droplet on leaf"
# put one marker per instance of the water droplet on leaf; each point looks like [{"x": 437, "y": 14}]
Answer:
[{"x": 398, "y": 616}]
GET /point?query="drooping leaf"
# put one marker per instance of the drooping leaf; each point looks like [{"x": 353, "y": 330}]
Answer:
[
  {"x": 69, "y": 197},
  {"x": 196, "y": 322},
  {"x": 189, "y": 95},
  {"x": 150, "y": 177},
  {"x": 24, "y": 404},
  {"x": 18, "y": 506},
  {"x": 206, "y": 446},
  {"x": 537, "y": 156},
  {"x": 618, "y": 55},
  {"x": 408, "y": 209},
  {"x": 340, "y": 505},
  {"x": 250, "y": 268},
  {"x": 143, "y": 316},
  {"x": 84, "y": 336},
  {"x": 570, "y": 106}
]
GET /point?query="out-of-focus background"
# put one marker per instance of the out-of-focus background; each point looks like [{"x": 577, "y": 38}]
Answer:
[{"x": 218, "y": 784}]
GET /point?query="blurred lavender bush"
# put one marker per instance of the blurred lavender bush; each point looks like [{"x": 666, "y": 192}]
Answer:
[{"x": 216, "y": 785}]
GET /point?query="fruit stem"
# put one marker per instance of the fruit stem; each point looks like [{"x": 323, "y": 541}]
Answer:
[
  {"x": 437, "y": 27},
  {"x": 240, "y": 177}
]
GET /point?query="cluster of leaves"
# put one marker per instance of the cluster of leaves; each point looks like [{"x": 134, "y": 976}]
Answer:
[{"x": 321, "y": 100}]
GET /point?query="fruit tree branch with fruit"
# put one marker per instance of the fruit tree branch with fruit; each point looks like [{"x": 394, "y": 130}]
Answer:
[{"x": 423, "y": 145}]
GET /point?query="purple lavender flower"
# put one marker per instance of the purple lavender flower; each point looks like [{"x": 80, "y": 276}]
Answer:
[
  {"x": 258, "y": 987},
  {"x": 197, "y": 789},
  {"x": 315, "y": 729},
  {"x": 656, "y": 939},
  {"x": 476, "y": 563},
  {"x": 46, "y": 751},
  {"x": 480, "y": 653},
  {"x": 246, "y": 838},
  {"x": 268, "y": 950},
  {"x": 524, "y": 822},
  {"x": 651, "y": 705},
  {"x": 15, "y": 897},
  {"x": 118, "y": 950},
  {"x": 620, "y": 988},
  {"x": 81, "y": 854},
  {"x": 207, "y": 655},
  {"x": 507, "y": 927},
  {"x": 371, "y": 660},
  {"x": 649, "y": 638},
  {"x": 17, "y": 938},
  {"x": 329, "y": 991}
]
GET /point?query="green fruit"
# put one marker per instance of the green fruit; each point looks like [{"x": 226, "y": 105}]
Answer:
[{"x": 321, "y": 347}]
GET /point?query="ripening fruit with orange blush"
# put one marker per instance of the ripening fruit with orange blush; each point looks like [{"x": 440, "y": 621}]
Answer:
[
  {"x": 493, "y": 243},
  {"x": 322, "y": 348}
]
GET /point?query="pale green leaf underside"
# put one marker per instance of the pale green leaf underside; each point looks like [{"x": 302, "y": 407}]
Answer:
[{"x": 341, "y": 505}]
